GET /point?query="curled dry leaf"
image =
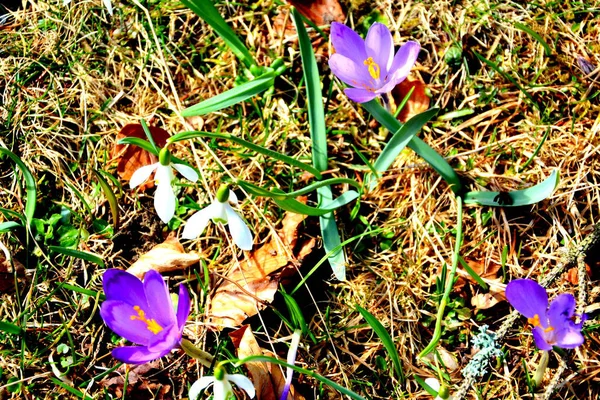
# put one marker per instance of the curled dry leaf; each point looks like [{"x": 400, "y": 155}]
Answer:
[
  {"x": 320, "y": 12},
  {"x": 129, "y": 157},
  {"x": 483, "y": 301},
  {"x": 266, "y": 377},
  {"x": 164, "y": 257},
  {"x": 248, "y": 287},
  {"x": 416, "y": 103},
  {"x": 7, "y": 280}
]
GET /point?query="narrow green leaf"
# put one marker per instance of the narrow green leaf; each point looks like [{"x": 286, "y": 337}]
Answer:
[
  {"x": 110, "y": 196},
  {"x": 434, "y": 159},
  {"x": 536, "y": 36},
  {"x": 318, "y": 136},
  {"x": 507, "y": 77},
  {"x": 301, "y": 208},
  {"x": 84, "y": 255},
  {"x": 386, "y": 339},
  {"x": 232, "y": 96},
  {"x": 401, "y": 138},
  {"x": 206, "y": 10},
  {"x": 536, "y": 151},
  {"x": 144, "y": 144},
  {"x": 516, "y": 198},
  {"x": 85, "y": 291},
  {"x": 10, "y": 328},
  {"x": 306, "y": 372},
  {"x": 472, "y": 273},
  {"x": 316, "y": 114},
  {"x": 8, "y": 226},
  {"x": 249, "y": 145},
  {"x": 70, "y": 389},
  {"x": 30, "y": 184}
]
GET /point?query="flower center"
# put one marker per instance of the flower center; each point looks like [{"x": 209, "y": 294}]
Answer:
[
  {"x": 151, "y": 324},
  {"x": 535, "y": 321},
  {"x": 374, "y": 69}
]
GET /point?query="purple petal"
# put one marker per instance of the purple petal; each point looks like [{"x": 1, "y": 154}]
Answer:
[
  {"x": 569, "y": 338},
  {"x": 349, "y": 72},
  {"x": 123, "y": 286},
  {"x": 403, "y": 62},
  {"x": 347, "y": 42},
  {"x": 160, "y": 306},
  {"x": 135, "y": 354},
  {"x": 359, "y": 95},
  {"x": 165, "y": 340},
  {"x": 528, "y": 298},
  {"x": 379, "y": 45},
  {"x": 561, "y": 309},
  {"x": 183, "y": 307},
  {"x": 540, "y": 339},
  {"x": 117, "y": 316}
]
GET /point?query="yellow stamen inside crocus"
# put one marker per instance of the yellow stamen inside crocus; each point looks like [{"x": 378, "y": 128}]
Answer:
[
  {"x": 151, "y": 324},
  {"x": 374, "y": 69},
  {"x": 535, "y": 321}
]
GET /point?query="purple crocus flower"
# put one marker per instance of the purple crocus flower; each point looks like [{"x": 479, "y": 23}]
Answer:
[
  {"x": 369, "y": 65},
  {"x": 143, "y": 313},
  {"x": 553, "y": 325}
]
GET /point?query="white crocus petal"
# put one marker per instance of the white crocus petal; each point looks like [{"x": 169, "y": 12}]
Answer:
[
  {"x": 239, "y": 231},
  {"x": 199, "y": 385},
  {"x": 108, "y": 6},
  {"x": 197, "y": 222},
  {"x": 222, "y": 389},
  {"x": 142, "y": 174},
  {"x": 164, "y": 201},
  {"x": 232, "y": 197},
  {"x": 242, "y": 382},
  {"x": 189, "y": 173}
]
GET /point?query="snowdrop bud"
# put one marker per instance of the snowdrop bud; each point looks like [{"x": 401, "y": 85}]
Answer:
[
  {"x": 444, "y": 393},
  {"x": 164, "y": 156},
  {"x": 223, "y": 194},
  {"x": 219, "y": 373}
]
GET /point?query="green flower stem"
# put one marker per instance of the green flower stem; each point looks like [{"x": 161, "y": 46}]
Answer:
[
  {"x": 191, "y": 350},
  {"x": 437, "y": 333}
]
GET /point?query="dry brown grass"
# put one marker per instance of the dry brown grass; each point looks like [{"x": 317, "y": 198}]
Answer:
[{"x": 70, "y": 78}]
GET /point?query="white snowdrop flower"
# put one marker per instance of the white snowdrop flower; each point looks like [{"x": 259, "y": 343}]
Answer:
[{"x": 221, "y": 385}]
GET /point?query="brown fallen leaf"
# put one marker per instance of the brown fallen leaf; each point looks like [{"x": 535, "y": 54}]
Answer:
[
  {"x": 320, "y": 12},
  {"x": 416, "y": 103},
  {"x": 483, "y": 301},
  {"x": 572, "y": 274},
  {"x": 248, "y": 287},
  {"x": 7, "y": 280},
  {"x": 164, "y": 257},
  {"x": 131, "y": 157},
  {"x": 266, "y": 377}
]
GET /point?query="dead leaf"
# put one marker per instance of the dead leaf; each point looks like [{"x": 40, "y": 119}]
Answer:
[
  {"x": 7, "y": 280},
  {"x": 248, "y": 287},
  {"x": 572, "y": 274},
  {"x": 483, "y": 301},
  {"x": 416, "y": 103},
  {"x": 320, "y": 12},
  {"x": 164, "y": 257},
  {"x": 131, "y": 157},
  {"x": 266, "y": 377},
  {"x": 137, "y": 381}
]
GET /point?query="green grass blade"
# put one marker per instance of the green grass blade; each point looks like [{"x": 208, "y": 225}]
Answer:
[
  {"x": 516, "y": 198},
  {"x": 84, "y": 255},
  {"x": 30, "y": 184},
  {"x": 70, "y": 389},
  {"x": 300, "y": 370},
  {"x": 536, "y": 151},
  {"x": 110, "y": 196},
  {"x": 249, "y": 145},
  {"x": 436, "y": 161},
  {"x": 536, "y": 36},
  {"x": 472, "y": 273},
  {"x": 507, "y": 77},
  {"x": 326, "y": 182},
  {"x": 301, "y": 208},
  {"x": 144, "y": 144},
  {"x": 232, "y": 96},
  {"x": 318, "y": 136},
  {"x": 386, "y": 339},
  {"x": 10, "y": 328},
  {"x": 206, "y": 10},
  {"x": 8, "y": 226}
]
